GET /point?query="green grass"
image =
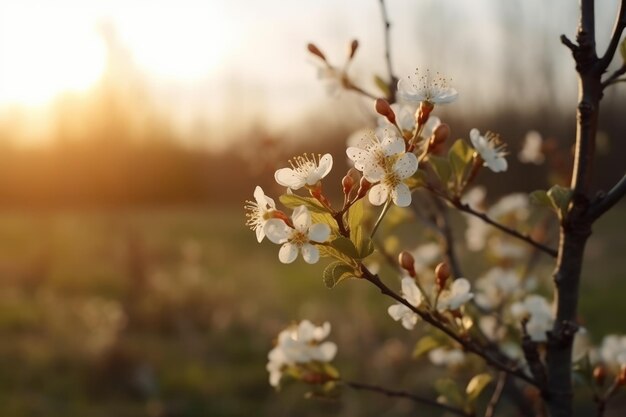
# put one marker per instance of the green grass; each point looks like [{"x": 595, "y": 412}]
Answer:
[{"x": 172, "y": 312}]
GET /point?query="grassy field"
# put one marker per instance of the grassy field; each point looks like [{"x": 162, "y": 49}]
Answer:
[{"x": 172, "y": 313}]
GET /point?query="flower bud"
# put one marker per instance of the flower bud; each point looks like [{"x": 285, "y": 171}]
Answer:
[
  {"x": 440, "y": 134},
  {"x": 364, "y": 187},
  {"x": 423, "y": 112},
  {"x": 406, "y": 261},
  {"x": 621, "y": 377},
  {"x": 347, "y": 183},
  {"x": 442, "y": 272},
  {"x": 599, "y": 374},
  {"x": 384, "y": 109},
  {"x": 354, "y": 45},
  {"x": 315, "y": 51}
]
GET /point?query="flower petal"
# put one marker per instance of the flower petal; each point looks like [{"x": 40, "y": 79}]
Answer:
[
  {"x": 277, "y": 230},
  {"x": 397, "y": 311},
  {"x": 321, "y": 332},
  {"x": 401, "y": 195},
  {"x": 324, "y": 167},
  {"x": 379, "y": 194},
  {"x": 306, "y": 330},
  {"x": 287, "y": 177},
  {"x": 410, "y": 292},
  {"x": 497, "y": 164},
  {"x": 326, "y": 352},
  {"x": 475, "y": 138},
  {"x": 310, "y": 253},
  {"x": 319, "y": 232},
  {"x": 288, "y": 253},
  {"x": 260, "y": 233},
  {"x": 392, "y": 144},
  {"x": 406, "y": 165},
  {"x": 301, "y": 218}
]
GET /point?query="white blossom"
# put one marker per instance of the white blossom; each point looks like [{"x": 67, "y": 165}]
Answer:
[
  {"x": 305, "y": 171},
  {"x": 400, "y": 312},
  {"x": 258, "y": 212},
  {"x": 426, "y": 256},
  {"x": 539, "y": 313},
  {"x": 497, "y": 285},
  {"x": 490, "y": 150},
  {"x": 454, "y": 297},
  {"x": 299, "y": 344},
  {"x": 446, "y": 357},
  {"x": 418, "y": 88},
  {"x": 613, "y": 350},
  {"x": 301, "y": 238},
  {"x": 531, "y": 152}
]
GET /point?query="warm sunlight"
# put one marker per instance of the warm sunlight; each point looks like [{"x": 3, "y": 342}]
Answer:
[{"x": 47, "y": 50}]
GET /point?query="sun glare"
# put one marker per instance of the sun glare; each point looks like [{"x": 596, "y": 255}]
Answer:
[{"x": 47, "y": 49}]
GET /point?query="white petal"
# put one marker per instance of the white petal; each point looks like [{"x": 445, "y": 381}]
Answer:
[
  {"x": 260, "y": 233},
  {"x": 401, "y": 195},
  {"x": 324, "y": 167},
  {"x": 475, "y": 137},
  {"x": 460, "y": 286},
  {"x": 319, "y": 232},
  {"x": 406, "y": 165},
  {"x": 410, "y": 292},
  {"x": 409, "y": 321},
  {"x": 310, "y": 253},
  {"x": 306, "y": 330},
  {"x": 326, "y": 352},
  {"x": 372, "y": 171},
  {"x": 321, "y": 332},
  {"x": 393, "y": 145},
  {"x": 277, "y": 231},
  {"x": 397, "y": 311},
  {"x": 358, "y": 156},
  {"x": 287, "y": 177},
  {"x": 498, "y": 164},
  {"x": 379, "y": 194},
  {"x": 288, "y": 253},
  {"x": 301, "y": 218},
  {"x": 259, "y": 195}
]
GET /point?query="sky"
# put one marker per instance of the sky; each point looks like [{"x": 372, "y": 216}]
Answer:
[{"x": 232, "y": 63}]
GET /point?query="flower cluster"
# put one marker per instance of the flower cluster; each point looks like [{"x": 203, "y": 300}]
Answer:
[{"x": 297, "y": 346}]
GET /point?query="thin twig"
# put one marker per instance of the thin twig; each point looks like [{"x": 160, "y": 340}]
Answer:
[
  {"x": 618, "y": 28},
  {"x": 443, "y": 222},
  {"x": 512, "y": 232},
  {"x": 392, "y": 78},
  {"x": 468, "y": 344},
  {"x": 403, "y": 394},
  {"x": 497, "y": 394},
  {"x": 598, "y": 208},
  {"x": 614, "y": 78},
  {"x": 606, "y": 397}
]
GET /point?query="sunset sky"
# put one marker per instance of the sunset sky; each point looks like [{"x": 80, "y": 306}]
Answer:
[{"x": 245, "y": 60}]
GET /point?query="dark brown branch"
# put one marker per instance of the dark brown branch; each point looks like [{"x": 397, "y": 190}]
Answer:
[
  {"x": 497, "y": 394},
  {"x": 604, "y": 399},
  {"x": 614, "y": 78},
  {"x": 404, "y": 394},
  {"x": 467, "y": 209},
  {"x": 393, "y": 80},
  {"x": 443, "y": 222},
  {"x": 468, "y": 344},
  {"x": 618, "y": 28},
  {"x": 570, "y": 45},
  {"x": 605, "y": 202}
]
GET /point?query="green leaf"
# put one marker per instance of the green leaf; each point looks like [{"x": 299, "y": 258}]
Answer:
[
  {"x": 450, "y": 391},
  {"x": 425, "y": 345},
  {"x": 540, "y": 198},
  {"x": 460, "y": 155},
  {"x": 336, "y": 272},
  {"x": 345, "y": 246},
  {"x": 622, "y": 50},
  {"x": 560, "y": 197},
  {"x": 442, "y": 169},
  {"x": 293, "y": 201},
  {"x": 382, "y": 85},
  {"x": 331, "y": 371},
  {"x": 476, "y": 385},
  {"x": 363, "y": 244}
]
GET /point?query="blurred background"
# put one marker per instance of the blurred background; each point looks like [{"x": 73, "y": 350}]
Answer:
[{"x": 131, "y": 132}]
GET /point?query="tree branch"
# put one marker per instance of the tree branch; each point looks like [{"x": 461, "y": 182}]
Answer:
[
  {"x": 618, "y": 28},
  {"x": 497, "y": 394},
  {"x": 393, "y": 80},
  {"x": 614, "y": 78},
  {"x": 525, "y": 238},
  {"x": 403, "y": 394},
  {"x": 468, "y": 344},
  {"x": 446, "y": 234},
  {"x": 605, "y": 202}
]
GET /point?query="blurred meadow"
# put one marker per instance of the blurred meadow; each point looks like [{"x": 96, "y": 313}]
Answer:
[{"x": 131, "y": 133}]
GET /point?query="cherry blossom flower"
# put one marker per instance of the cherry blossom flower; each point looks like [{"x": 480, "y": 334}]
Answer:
[
  {"x": 490, "y": 149},
  {"x": 497, "y": 285},
  {"x": 392, "y": 184},
  {"x": 455, "y": 296},
  {"x": 305, "y": 171},
  {"x": 299, "y": 344},
  {"x": 426, "y": 256},
  {"x": 301, "y": 238},
  {"x": 537, "y": 310},
  {"x": 531, "y": 152},
  {"x": 400, "y": 312},
  {"x": 613, "y": 350},
  {"x": 418, "y": 88},
  {"x": 446, "y": 357},
  {"x": 259, "y": 212}
]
